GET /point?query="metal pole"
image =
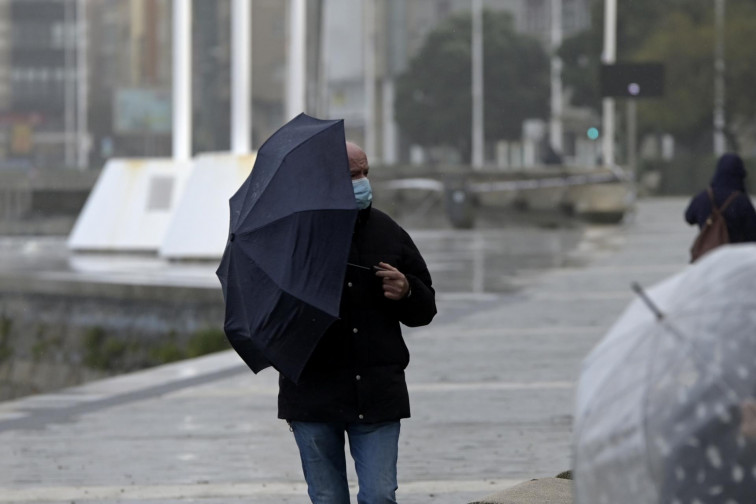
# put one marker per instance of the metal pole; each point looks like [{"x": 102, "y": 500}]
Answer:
[
  {"x": 396, "y": 11},
  {"x": 316, "y": 90},
  {"x": 82, "y": 100},
  {"x": 477, "y": 85},
  {"x": 295, "y": 85},
  {"x": 720, "y": 142},
  {"x": 69, "y": 96},
  {"x": 241, "y": 112},
  {"x": 609, "y": 57},
  {"x": 368, "y": 17},
  {"x": 182, "y": 80},
  {"x": 555, "y": 125},
  {"x": 389, "y": 121},
  {"x": 322, "y": 107},
  {"x": 632, "y": 135}
]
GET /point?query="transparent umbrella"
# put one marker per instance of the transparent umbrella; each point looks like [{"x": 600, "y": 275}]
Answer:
[{"x": 666, "y": 402}]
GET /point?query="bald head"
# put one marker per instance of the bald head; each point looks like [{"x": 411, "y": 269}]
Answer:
[{"x": 358, "y": 163}]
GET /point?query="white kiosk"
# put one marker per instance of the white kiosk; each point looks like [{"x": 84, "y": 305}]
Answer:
[
  {"x": 130, "y": 207},
  {"x": 198, "y": 228}
]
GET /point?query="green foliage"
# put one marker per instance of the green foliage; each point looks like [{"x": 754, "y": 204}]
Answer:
[
  {"x": 205, "y": 341},
  {"x": 581, "y": 58},
  {"x": 637, "y": 22},
  {"x": 166, "y": 351},
  {"x": 46, "y": 344},
  {"x": 111, "y": 353},
  {"x": 686, "y": 108},
  {"x": 680, "y": 34},
  {"x": 202, "y": 342},
  {"x": 101, "y": 351},
  {"x": 685, "y": 43},
  {"x": 6, "y": 325},
  {"x": 433, "y": 98}
]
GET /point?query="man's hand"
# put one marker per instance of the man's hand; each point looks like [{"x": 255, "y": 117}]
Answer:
[{"x": 395, "y": 284}]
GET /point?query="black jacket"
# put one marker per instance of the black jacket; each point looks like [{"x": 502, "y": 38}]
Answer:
[
  {"x": 356, "y": 373},
  {"x": 740, "y": 214}
]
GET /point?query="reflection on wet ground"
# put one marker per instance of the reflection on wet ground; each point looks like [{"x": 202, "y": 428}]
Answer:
[{"x": 494, "y": 257}]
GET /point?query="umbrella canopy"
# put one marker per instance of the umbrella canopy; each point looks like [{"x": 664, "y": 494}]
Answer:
[
  {"x": 291, "y": 228},
  {"x": 666, "y": 402}
]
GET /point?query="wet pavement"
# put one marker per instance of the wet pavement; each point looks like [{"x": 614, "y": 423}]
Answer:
[
  {"x": 491, "y": 379},
  {"x": 493, "y": 257}
]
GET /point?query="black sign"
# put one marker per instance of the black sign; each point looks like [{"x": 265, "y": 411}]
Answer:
[{"x": 632, "y": 80}]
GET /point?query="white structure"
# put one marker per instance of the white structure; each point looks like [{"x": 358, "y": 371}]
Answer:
[
  {"x": 199, "y": 225},
  {"x": 178, "y": 210},
  {"x": 130, "y": 206}
]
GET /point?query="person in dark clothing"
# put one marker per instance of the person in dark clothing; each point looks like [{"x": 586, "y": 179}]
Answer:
[
  {"x": 354, "y": 382},
  {"x": 739, "y": 215}
]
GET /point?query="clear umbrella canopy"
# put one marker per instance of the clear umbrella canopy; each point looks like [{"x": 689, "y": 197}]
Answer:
[{"x": 666, "y": 402}]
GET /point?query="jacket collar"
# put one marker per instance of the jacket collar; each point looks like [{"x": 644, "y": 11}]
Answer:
[{"x": 364, "y": 214}]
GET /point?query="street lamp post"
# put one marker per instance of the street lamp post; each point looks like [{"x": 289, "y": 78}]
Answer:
[
  {"x": 555, "y": 125},
  {"x": 720, "y": 143},
  {"x": 477, "y": 85},
  {"x": 368, "y": 19},
  {"x": 241, "y": 29},
  {"x": 182, "y": 80},
  {"x": 295, "y": 88},
  {"x": 69, "y": 96},
  {"x": 82, "y": 100},
  {"x": 609, "y": 57}
]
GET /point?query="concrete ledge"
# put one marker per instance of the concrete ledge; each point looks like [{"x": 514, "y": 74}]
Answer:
[
  {"x": 68, "y": 286},
  {"x": 536, "y": 491}
]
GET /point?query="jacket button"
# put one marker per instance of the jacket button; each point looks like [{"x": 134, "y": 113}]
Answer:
[
  {"x": 360, "y": 417},
  {"x": 355, "y": 330},
  {"x": 358, "y": 378}
]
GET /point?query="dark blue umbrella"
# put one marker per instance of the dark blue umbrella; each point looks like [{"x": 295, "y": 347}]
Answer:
[{"x": 291, "y": 228}]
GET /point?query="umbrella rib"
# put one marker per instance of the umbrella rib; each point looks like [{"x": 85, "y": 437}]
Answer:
[
  {"x": 617, "y": 396},
  {"x": 267, "y": 274},
  {"x": 644, "y": 416},
  {"x": 701, "y": 361},
  {"x": 697, "y": 359},
  {"x": 283, "y": 159},
  {"x": 282, "y": 289},
  {"x": 303, "y": 210},
  {"x": 647, "y": 300}
]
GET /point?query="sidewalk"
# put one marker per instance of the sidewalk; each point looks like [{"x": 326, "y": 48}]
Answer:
[{"x": 491, "y": 384}]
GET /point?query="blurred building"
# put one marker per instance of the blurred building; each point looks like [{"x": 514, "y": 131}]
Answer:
[
  {"x": 92, "y": 79},
  {"x": 85, "y": 80},
  {"x": 38, "y": 100}
]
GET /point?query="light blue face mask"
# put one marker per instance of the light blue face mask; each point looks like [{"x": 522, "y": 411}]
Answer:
[{"x": 363, "y": 194}]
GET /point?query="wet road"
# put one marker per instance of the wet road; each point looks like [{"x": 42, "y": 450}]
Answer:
[
  {"x": 495, "y": 257},
  {"x": 491, "y": 379}
]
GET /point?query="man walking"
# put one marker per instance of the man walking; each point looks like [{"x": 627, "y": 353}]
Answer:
[{"x": 353, "y": 386}]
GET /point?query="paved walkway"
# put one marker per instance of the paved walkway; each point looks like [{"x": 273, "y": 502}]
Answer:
[{"x": 491, "y": 382}]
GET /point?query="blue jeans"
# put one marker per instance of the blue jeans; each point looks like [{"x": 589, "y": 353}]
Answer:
[{"x": 374, "y": 448}]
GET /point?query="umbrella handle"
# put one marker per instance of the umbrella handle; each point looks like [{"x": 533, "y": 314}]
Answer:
[
  {"x": 358, "y": 266},
  {"x": 639, "y": 290}
]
